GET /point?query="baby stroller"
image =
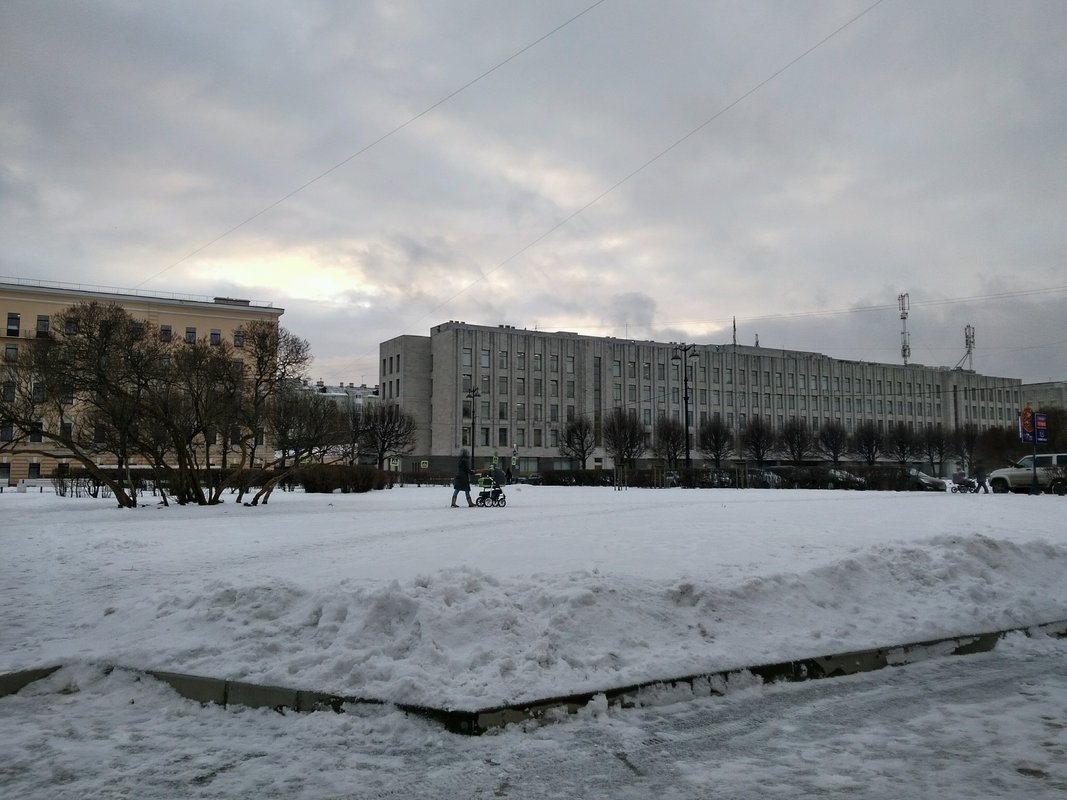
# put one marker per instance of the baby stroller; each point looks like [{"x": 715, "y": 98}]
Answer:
[
  {"x": 490, "y": 493},
  {"x": 964, "y": 486}
]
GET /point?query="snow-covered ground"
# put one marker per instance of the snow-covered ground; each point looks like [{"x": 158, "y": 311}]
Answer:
[{"x": 396, "y": 596}]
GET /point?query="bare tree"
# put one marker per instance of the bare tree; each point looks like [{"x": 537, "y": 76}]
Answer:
[
  {"x": 832, "y": 441},
  {"x": 578, "y": 441},
  {"x": 1056, "y": 418},
  {"x": 867, "y": 442},
  {"x": 624, "y": 437},
  {"x": 937, "y": 446},
  {"x": 387, "y": 430},
  {"x": 757, "y": 440},
  {"x": 198, "y": 409},
  {"x": 715, "y": 440},
  {"x": 75, "y": 393},
  {"x": 272, "y": 359},
  {"x": 798, "y": 441},
  {"x": 105, "y": 383},
  {"x": 669, "y": 442},
  {"x": 1000, "y": 445},
  {"x": 305, "y": 424},
  {"x": 902, "y": 444},
  {"x": 348, "y": 444},
  {"x": 964, "y": 443}
]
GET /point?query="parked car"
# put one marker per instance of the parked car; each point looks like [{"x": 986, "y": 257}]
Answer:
[
  {"x": 1051, "y": 474},
  {"x": 840, "y": 479},
  {"x": 917, "y": 479},
  {"x": 534, "y": 479},
  {"x": 712, "y": 479},
  {"x": 763, "y": 478}
]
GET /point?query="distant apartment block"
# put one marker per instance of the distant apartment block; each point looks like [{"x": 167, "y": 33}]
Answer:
[
  {"x": 346, "y": 396},
  {"x": 353, "y": 401},
  {"x": 530, "y": 384}
]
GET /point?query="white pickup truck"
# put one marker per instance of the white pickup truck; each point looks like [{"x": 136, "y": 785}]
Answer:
[{"x": 1051, "y": 474}]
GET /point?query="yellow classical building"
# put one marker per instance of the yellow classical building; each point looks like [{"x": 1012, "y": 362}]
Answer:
[{"x": 28, "y": 308}]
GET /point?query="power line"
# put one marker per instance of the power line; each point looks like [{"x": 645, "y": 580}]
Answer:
[
  {"x": 376, "y": 142},
  {"x": 675, "y": 144}
]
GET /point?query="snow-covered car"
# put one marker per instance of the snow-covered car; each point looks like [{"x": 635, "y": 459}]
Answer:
[
  {"x": 840, "y": 479},
  {"x": 764, "y": 478},
  {"x": 917, "y": 479}
]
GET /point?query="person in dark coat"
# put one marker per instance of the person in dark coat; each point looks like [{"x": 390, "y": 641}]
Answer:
[
  {"x": 462, "y": 481},
  {"x": 979, "y": 477}
]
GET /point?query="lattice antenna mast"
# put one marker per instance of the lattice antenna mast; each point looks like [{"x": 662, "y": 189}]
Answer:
[
  {"x": 905, "y": 340},
  {"x": 968, "y": 341}
]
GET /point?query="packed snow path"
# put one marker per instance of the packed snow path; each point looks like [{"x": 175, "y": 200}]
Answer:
[{"x": 992, "y": 725}]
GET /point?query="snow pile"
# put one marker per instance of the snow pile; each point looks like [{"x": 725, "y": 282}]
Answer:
[{"x": 463, "y": 625}]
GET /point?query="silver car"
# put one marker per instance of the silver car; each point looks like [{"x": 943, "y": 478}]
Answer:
[{"x": 1051, "y": 474}]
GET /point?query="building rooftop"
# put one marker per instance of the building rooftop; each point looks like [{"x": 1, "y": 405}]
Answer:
[{"x": 89, "y": 289}]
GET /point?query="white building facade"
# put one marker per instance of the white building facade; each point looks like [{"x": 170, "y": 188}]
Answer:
[
  {"x": 1043, "y": 396},
  {"x": 510, "y": 392}
]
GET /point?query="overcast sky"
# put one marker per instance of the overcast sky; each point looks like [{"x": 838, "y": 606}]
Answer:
[{"x": 643, "y": 169}]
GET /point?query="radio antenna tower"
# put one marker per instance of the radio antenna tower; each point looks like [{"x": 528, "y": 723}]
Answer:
[
  {"x": 905, "y": 341},
  {"x": 968, "y": 341}
]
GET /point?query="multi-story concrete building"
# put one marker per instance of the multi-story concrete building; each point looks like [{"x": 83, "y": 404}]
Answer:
[
  {"x": 1040, "y": 396},
  {"x": 509, "y": 392},
  {"x": 30, "y": 306}
]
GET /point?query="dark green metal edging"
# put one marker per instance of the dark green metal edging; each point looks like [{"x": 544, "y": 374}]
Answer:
[
  {"x": 12, "y": 682},
  {"x": 225, "y": 692},
  {"x": 716, "y": 683}
]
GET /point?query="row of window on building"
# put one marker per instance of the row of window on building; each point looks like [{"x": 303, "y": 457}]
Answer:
[
  {"x": 719, "y": 376},
  {"x": 166, "y": 333},
  {"x": 505, "y": 409},
  {"x": 718, "y": 398},
  {"x": 66, "y": 430}
]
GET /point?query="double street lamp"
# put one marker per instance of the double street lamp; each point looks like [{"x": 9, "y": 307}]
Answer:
[{"x": 683, "y": 354}]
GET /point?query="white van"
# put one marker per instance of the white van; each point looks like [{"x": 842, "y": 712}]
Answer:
[{"x": 1051, "y": 474}]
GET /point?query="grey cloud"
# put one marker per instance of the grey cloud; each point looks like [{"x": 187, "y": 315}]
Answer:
[{"x": 920, "y": 150}]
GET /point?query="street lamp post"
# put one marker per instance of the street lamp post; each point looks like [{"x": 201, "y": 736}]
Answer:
[
  {"x": 683, "y": 353},
  {"x": 473, "y": 393}
]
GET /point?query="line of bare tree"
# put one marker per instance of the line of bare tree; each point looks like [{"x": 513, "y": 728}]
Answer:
[
  {"x": 106, "y": 388},
  {"x": 626, "y": 440}
]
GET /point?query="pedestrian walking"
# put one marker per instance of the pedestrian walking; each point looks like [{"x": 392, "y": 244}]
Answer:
[
  {"x": 979, "y": 477},
  {"x": 462, "y": 481}
]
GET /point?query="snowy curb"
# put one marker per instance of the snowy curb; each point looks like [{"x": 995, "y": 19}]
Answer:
[{"x": 226, "y": 692}]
